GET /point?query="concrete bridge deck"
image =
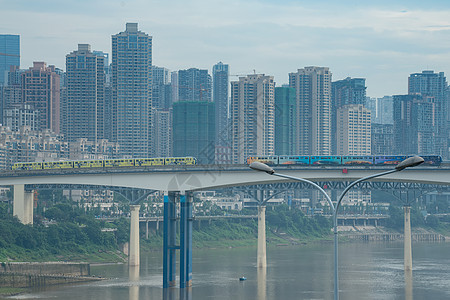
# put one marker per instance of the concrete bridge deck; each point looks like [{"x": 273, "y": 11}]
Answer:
[{"x": 201, "y": 177}]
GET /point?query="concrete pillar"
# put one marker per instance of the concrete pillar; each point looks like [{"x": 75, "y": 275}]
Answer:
[
  {"x": 261, "y": 261},
  {"x": 408, "y": 285},
  {"x": 407, "y": 241},
  {"x": 262, "y": 283},
  {"x": 133, "y": 258},
  {"x": 133, "y": 292},
  {"x": 376, "y": 223},
  {"x": 146, "y": 229},
  {"x": 23, "y": 204}
]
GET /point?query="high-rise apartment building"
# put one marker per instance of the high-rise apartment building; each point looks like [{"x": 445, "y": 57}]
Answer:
[
  {"x": 162, "y": 132},
  {"x": 194, "y": 130},
  {"x": 313, "y": 97},
  {"x": 106, "y": 65},
  {"x": 131, "y": 91},
  {"x": 194, "y": 85},
  {"x": 382, "y": 109},
  {"x": 41, "y": 90},
  {"x": 382, "y": 139},
  {"x": 348, "y": 91},
  {"x": 108, "y": 112},
  {"x": 22, "y": 117},
  {"x": 353, "y": 130},
  {"x": 285, "y": 121},
  {"x": 14, "y": 75},
  {"x": 9, "y": 54},
  {"x": 414, "y": 119},
  {"x": 252, "y": 117},
  {"x": 431, "y": 84},
  {"x": 11, "y": 93},
  {"x": 220, "y": 74},
  {"x": 160, "y": 79},
  {"x": 174, "y": 85},
  {"x": 345, "y": 92},
  {"x": 85, "y": 111}
]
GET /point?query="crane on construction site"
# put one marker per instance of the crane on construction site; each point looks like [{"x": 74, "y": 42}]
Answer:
[
  {"x": 200, "y": 90},
  {"x": 239, "y": 75}
]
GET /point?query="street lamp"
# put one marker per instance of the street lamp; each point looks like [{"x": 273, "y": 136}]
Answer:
[{"x": 407, "y": 163}]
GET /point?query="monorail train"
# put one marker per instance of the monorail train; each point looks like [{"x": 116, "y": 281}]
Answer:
[
  {"x": 368, "y": 160},
  {"x": 106, "y": 163}
]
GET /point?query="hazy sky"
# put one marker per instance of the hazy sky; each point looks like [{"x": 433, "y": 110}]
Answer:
[{"x": 382, "y": 41}]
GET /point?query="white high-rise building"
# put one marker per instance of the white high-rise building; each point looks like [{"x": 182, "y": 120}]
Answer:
[
  {"x": 354, "y": 130},
  {"x": 252, "y": 115},
  {"x": 313, "y": 93}
]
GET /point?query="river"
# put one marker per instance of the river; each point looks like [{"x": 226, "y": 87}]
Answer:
[{"x": 367, "y": 271}]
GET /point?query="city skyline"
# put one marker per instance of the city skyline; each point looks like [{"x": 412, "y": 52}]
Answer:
[{"x": 383, "y": 42}]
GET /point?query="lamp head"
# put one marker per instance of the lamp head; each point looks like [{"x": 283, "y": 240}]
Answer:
[
  {"x": 409, "y": 162},
  {"x": 259, "y": 166}
]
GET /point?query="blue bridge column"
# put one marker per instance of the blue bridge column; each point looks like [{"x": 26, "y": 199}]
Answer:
[
  {"x": 169, "y": 240},
  {"x": 186, "y": 240}
]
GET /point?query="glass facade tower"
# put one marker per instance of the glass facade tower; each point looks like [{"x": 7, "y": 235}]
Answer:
[
  {"x": 194, "y": 130},
  {"x": 220, "y": 76},
  {"x": 9, "y": 54},
  {"x": 285, "y": 116}
]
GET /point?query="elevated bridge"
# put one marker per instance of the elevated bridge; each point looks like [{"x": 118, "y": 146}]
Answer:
[
  {"x": 178, "y": 183},
  {"x": 203, "y": 177}
]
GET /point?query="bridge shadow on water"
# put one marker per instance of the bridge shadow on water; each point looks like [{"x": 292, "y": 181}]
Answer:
[{"x": 177, "y": 294}]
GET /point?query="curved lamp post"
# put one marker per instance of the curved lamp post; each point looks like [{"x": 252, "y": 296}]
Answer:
[{"x": 407, "y": 163}]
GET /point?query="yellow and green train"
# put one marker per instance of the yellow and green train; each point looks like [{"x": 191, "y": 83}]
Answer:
[{"x": 105, "y": 163}]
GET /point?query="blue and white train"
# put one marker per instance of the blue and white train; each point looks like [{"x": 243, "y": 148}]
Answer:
[{"x": 351, "y": 160}]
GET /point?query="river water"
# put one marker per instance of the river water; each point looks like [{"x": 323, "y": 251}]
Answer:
[{"x": 367, "y": 271}]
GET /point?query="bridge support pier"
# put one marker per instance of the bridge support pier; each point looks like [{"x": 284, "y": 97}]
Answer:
[
  {"x": 169, "y": 247},
  {"x": 23, "y": 204},
  {"x": 133, "y": 258},
  {"x": 407, "y": 239},
  {"x": 133, "y": 274},
  {"x": 186, "y": 240},
  {"x": 261, "y": 260}
]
